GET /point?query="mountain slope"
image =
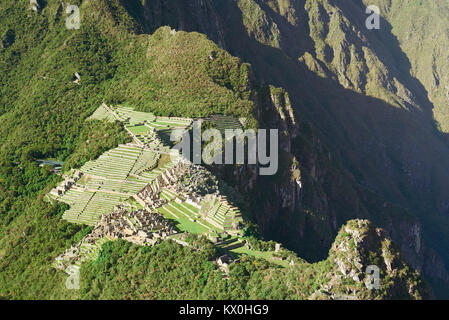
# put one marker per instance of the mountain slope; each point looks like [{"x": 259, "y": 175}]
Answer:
[{"x": 168, "y": 72}]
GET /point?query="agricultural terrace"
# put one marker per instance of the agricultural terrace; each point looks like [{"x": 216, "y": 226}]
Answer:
[
  {"x": 185, "y": 217},
  {"x": 223, "y": 122},
  {"x": 149, "y": 130},
  {"x": 219, "y": 212},
  {"x": 102, "y": 113},
  {"x": 114, "y": 177}
]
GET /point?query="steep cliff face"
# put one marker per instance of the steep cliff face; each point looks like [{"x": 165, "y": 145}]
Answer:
[
  {"x": 196, "y": 15},
  {"x": 422, "y": 33}
]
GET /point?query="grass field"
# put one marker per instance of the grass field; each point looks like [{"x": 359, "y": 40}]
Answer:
[
  {"x": 182, "y": 223},
  {"x": 138, "y": 129},
  {"x": 234, "y": 246}
]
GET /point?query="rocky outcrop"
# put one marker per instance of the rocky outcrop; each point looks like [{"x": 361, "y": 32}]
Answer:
[
  {"x": 34, "y": 5},
  {"x": 366, "y": 265}
]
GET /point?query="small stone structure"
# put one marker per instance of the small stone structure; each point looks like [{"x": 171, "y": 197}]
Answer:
[
  {"x": 76, "y": 78},
  {"x": 224, "y": 262},
  {"x": 173, "y": 179},
  {"x": 277, "y": 247},
  {"x": 66, "y": 184},
  {"x": 140, "y": 227}
]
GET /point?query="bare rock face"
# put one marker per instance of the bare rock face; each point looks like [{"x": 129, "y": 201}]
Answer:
[
  {"x": 366, "y": 265},
  {"x": 194, "y": 15}
]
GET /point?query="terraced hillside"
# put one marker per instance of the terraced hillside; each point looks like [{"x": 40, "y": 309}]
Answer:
[
  {"x": 110, "y": 181},
  {"x": 146, "y": 128},
  {"x": 120, "y": 173},
  {"x": 223, "y": 122}
]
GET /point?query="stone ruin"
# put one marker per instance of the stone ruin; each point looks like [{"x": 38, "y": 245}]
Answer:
[
  {"x": 223, "y": 263},
  {"x": 199, "y": 182},
  {"x": 150, "y": 195},
  {"x": 66, "y": 184},
  {"x": 190, "y": 181},
  {"x": 140, "y": 227}
]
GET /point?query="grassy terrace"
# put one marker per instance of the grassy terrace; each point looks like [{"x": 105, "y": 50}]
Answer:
[
  {"x": 136, "y": 118},
  {"x": 102, "y": 114},
  {"x": 237, "y": 248},
  {"x": 87, "y": 207},
  {"x": 128, "y": 115},
  {"x": 111, "y": 179},
  {"x": 182, "y": 223},
  {"x": 225, "y": 122},
  {"x": 124, "y": 186},
  {"x": 186, "y": 216},
  {"x": 114, "y": 164},
  {"x": 137, "y": 130},
  {"x": 118, "y": 164}
]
